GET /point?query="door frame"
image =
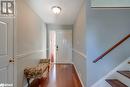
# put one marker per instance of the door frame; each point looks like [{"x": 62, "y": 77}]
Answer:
[
  {"x": 64, "y": 31},
  {"x": 15, "y": 51},
  {"x": 15, "y": 43},
  {"x": 51, "y": 27}
]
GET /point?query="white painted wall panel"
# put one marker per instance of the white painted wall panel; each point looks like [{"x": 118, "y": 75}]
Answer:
[{"x": 110, "y": 3}]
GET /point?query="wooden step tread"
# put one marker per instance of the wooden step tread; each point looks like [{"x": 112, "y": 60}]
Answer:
[
  {"x": 125, "y": 73},
  {"x": 115, "y": 83}
]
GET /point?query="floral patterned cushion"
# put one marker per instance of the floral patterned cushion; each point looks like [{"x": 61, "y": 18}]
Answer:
[{"x": 36, "y": 72}]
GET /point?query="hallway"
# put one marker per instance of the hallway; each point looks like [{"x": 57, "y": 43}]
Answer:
[
  {"x": 71, "y": 34},
  {"x": 25, "y": 39},
  {"x": 61, "y": 75}
]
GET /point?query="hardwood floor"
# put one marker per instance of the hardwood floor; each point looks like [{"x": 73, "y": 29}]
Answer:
[{"x": 61, "y": 75}]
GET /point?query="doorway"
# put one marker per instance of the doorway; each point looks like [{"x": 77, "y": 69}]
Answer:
[{"x": 60, "y": 46}]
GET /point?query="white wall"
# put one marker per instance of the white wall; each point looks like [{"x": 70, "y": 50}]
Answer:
[
  {"x": 79, "y": 44},
  {"x": 105, "y": 27},
  {"x": 31, "y": 39},
  {"x": 110, "y": 3}
]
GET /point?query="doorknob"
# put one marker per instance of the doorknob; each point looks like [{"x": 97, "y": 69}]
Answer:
[
  {"x": 57, "y": 48},
  {"x": 11, "y": 60}
]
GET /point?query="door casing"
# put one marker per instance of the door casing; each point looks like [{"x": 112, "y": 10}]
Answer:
[{"x": 66, "y": 60}]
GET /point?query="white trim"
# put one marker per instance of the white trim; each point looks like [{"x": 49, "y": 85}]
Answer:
[
  {"x": 15, "y": 44},
  {"x": 80, "y": 53},
  {"x": 29, "y": 53},
  {"x": 84, "y": 56},
  {"x": 110, "y": 73},
  {"x": 79, "y": 76}
]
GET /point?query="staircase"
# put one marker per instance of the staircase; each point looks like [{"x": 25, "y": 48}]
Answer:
[
  {"x": 115, "y": 83},
  {"x": 118, "y": 83},
  {"x": 118, "y": 77}
]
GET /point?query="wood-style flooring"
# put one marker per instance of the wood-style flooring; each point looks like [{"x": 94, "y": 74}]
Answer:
[{"x": 61, "y": 75}]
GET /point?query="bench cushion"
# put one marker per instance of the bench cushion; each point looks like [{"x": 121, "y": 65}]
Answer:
[
  {"x": 35, "y": 72},
  {"x": 38, "y": 71}
]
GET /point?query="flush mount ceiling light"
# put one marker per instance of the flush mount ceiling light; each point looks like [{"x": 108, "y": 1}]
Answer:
[{"x": 56, "y": 9}]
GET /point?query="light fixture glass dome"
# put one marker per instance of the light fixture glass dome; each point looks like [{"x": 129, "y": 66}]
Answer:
[{"x": 56, "y": 9}]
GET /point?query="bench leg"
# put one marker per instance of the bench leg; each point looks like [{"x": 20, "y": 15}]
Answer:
[
  {"x": 28, "y": 82},
  {"x": 48, "y": 68}
]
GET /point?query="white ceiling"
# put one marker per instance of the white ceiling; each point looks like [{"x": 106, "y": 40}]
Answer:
[{"x": 70, "y": 10}]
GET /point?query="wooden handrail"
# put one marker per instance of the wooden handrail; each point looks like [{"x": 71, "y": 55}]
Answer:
[{"x": 113, "y": 47}]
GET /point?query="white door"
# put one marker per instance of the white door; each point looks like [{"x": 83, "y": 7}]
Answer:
[
  {"x": 64, "y": 46},
  {"x": 6, "y": 51}
]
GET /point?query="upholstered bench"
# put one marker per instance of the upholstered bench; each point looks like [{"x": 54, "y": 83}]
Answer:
[{"x": 38, "y": 71}]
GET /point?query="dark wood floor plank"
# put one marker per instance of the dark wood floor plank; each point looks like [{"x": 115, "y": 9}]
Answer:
[
  {"x": 125, "y": 73},
  {"x": 115, "y": 83},
  {"x": 61, "y": 75}
]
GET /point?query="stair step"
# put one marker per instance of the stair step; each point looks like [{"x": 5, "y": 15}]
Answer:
[
  {"x": 116, "y": 83},
  {"x": 125, "y": 73}
]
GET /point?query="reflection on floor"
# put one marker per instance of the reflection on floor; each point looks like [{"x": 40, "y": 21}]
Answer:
[{"x": 61, "y": 75}]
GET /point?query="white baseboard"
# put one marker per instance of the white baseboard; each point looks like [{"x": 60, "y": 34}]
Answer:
[
  {"x": 79, "y": 75},
  {"x": 83, "y": 56}
]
